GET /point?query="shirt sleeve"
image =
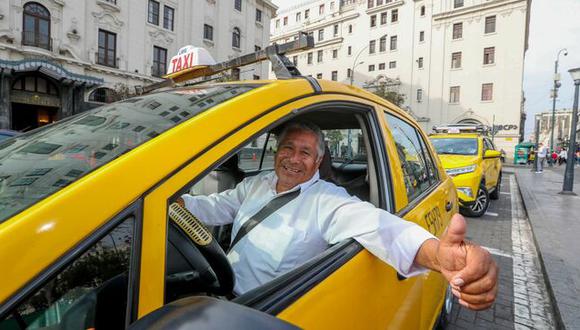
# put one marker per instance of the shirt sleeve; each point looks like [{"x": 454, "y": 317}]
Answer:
[
  {"x": 390, "y": 238},
  {"x": 218, "y": 208}
]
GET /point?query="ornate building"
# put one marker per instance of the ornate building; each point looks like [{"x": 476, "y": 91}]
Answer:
[{"x": 61, "y": 57}]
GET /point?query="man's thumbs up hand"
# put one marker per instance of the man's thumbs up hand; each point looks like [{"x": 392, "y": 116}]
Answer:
[{"x": 469, "y": 268}]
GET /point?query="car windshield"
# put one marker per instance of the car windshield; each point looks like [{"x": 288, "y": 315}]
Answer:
[
  {"x": 39, "y": 163},
  {"x": 455, "y": 146}
]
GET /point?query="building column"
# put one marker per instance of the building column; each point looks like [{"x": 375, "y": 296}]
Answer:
[
  {"x": 5, "y": 105},
  {"x": 66, "y": 101},
  {"x": 79, "y": 99}
]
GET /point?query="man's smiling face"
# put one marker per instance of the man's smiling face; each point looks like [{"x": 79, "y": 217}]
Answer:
[{"x": 297, "y": 159}]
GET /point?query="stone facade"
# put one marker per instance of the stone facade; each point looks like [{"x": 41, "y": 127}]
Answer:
[
  {"x": 67, "y": 53},
  {"x": 409, "y": 47}
]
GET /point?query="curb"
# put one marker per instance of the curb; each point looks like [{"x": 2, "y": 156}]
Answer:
[{"x": 557, "y": 316}]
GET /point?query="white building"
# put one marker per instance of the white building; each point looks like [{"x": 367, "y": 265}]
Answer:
[
  {"x": 60, "y": 57},
  {"x": 562, "y": 125},
  {"x": 455, "y": 61}
]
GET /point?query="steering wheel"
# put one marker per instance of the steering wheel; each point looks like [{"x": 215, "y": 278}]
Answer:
[{"x": 192, "y": 239}]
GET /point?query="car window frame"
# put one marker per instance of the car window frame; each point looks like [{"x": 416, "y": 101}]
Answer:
[
  {"x": 134, "y": 210},
  {"x": 274, "y": 295},
  {"x": 411, "y": 204}
]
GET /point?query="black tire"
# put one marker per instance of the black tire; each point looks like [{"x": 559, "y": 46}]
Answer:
[
  {"x": 445, "y": 314},
  {"x": 495, "y": 194},
  {"x": 480, "y": 206}
]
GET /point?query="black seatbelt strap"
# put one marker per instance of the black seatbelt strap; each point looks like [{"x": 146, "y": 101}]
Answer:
[{"x": 268, "y": 209}]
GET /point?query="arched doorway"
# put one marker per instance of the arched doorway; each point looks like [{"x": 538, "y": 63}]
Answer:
[
  {"x": 470, "y": 121},
  {"x": 103, "y": 95},
  {"x": 35, "y": 102}
]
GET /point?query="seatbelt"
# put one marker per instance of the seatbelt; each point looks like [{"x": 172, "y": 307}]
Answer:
[{"x": 268, "y": 209}]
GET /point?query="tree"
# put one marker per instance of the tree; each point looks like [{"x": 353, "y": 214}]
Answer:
[
  {"x": 394, "y": 97},
  {"x": 334, "y": 137}
]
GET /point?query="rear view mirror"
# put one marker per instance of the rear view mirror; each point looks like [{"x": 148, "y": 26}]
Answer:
[{"x": 492, "y": 154}]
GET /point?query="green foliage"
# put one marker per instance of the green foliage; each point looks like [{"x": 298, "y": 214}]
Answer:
[{"x": 391, "y": 96}]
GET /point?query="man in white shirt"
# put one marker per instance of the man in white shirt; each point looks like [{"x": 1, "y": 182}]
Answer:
[
  {"x": 563, "y": 156},
  {"x": 323, "y": 214},
  {"x": 542, "y": 153}
]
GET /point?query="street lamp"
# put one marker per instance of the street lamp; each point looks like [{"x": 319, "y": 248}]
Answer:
[
  {"x": 354, "y": 63},
  {"x": 567, "y": 188},
  {"x": 554, "y": 96}
]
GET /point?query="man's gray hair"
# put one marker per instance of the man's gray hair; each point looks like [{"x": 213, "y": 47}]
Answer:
[{"x": 304, "y": 126}]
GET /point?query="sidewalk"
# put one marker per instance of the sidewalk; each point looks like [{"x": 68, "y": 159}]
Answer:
[{"x": 555, "y": 221}]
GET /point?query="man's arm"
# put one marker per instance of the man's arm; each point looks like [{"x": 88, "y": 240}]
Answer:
[{"x": 469, "y": 268}]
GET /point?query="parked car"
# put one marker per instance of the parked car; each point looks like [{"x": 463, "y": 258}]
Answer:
[{"x": 471, "y": 159}]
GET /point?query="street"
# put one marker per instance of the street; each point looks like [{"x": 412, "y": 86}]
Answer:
[{"x": 522, "y": 301}]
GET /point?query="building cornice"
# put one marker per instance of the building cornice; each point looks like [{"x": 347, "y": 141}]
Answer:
[
  {"x": 313, "y": 27},
  {"x": 298, "y": 5},
  {"x": 270, "y": 5},
  {"x": 476, "y": 9},
  {"x": 387, "y": 6}
]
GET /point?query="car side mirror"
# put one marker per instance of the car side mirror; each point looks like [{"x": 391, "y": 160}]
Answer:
[
  {"x": 202, "y": 312},
  {"x": 491, "y": 154}
]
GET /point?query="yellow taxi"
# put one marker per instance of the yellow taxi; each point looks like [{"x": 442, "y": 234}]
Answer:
[
  {"x": 470, "y": 158},
  {"x": 90, "y": 239}
]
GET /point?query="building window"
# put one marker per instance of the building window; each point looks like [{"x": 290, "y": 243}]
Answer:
[
  {"x": 321, "y": 10},
  {"x": 381, "y": 66},
  {"x": 332, "y": 6},
  {"x": 298, "y": 16},
  {"x": 454, "y": 94},
  {"x": 371, "y": 67},
  {"x": 420, "y": 63},
  {"x": 235, "y": 74},
  {"x": 335, "y": 53},
  {"x": 295, "y": 60},
  {"x": 348, "y": 73},
  {"x": 277, "y": 23},
  {"x": 370, "y": 3},
  {"x": 257, "y": 48},
  {"x": 372, "y": 46},
  {"x": 306, "y": 13},
  {"x": 422, "y": 10},
  {"x": 394, "y": 15},
  {"x": 335, "y": 30},
  {"x": 456, "y": 60},
  {"x": 159, "y": 61},
  {"x": 419, "y": 95},
  {"x": 320, "y": 34},
  {"x": 256, "y": 77},
  {"x": 373, "y": 20},
  {"x": 421, "y": 36},
  {"x": 236, "y": 38},
  {"x": 153, "y": 14},
  {"x": 168, "y": 14},
  {"x": 383, "y": 44},
  {"x": 490, "y": 24},
  {"x": 334, "y": 75},
  {"x": 107, "y": 54},
  {"x": 384, "y": 18},
  {"x": 238, "y": 5},
  {"x": 309, "y": 58},
  {"x": 285, "y": 20},
  {"x": 349, "y": 50},
  {"x": 457, "y": 3},
  {"x": 103, "y": 95},
  {"x": 393, "y": 43},
  {"x": 207, "y": 32},
  {"x": 319, "y": 56},
  {"x": 319, "y": 75},
  {"x": 380, "y": 2},
  {"x": 457, "y": 30},
  {"x": 489, "y": 55},
  {"x": 36, "y": 26},
  {"x": 487, "y": 92},
  {"x": 392, "y": 64},
  {"x": 311, "y": 35},
  {"x": 258, "y": 15},
  {"x": 350, "y": 28}
]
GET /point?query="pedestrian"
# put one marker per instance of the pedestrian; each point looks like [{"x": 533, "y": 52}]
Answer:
[
  {"x": 562, "y": 156},
  {"x": 554, "y": 157},
  {"x": 542, "y": 153},
  {"x": 531, "y": 157},
  {"x": 578, "y": 156}
]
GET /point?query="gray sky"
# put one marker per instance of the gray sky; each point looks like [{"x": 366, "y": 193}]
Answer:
[{"x": 554, "y": 24}]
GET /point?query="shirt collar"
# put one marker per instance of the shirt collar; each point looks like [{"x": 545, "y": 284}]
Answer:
[{"x": 273, "y": 179}]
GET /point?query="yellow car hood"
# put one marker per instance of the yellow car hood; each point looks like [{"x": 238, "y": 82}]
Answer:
[{"x": 454, "y": 161}]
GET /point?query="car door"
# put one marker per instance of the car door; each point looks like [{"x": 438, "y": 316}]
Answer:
[
  {"x": 342, "y": 288},
  {"x": 490, "y": 165},
  {"x": 429, "y": 198}
]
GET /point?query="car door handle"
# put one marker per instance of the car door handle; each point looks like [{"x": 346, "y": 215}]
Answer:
[{"x": 448, "y": 206}]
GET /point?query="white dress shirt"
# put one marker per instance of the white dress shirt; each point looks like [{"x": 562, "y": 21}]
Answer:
[{"x": 322, "y": 214}]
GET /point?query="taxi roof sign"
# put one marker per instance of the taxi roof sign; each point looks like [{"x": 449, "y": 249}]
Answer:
[
  {"x": 282, "y": 67},
  {"x": 189, "y": 57},
  {"x": 461, "y": 128}
]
